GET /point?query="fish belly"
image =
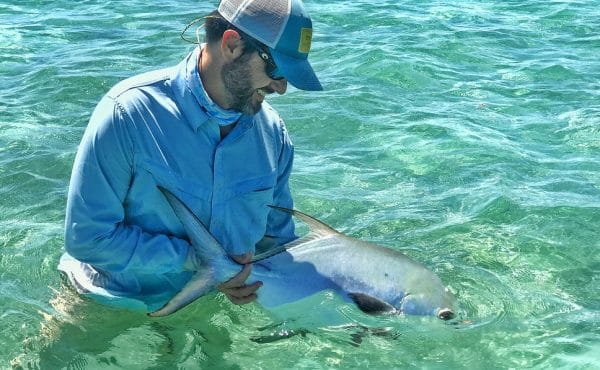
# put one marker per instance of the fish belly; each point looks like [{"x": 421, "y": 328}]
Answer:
[{"x": 286, "y": 280}]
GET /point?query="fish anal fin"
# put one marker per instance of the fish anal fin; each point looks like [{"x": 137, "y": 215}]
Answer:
[{"x": 371, "y": 305}]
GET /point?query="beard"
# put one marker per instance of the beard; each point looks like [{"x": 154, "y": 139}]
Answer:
[{"x": 236, "y": 78}]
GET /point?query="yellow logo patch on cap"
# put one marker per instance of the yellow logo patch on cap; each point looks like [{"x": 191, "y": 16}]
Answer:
[{"x": 305, "y": 40}]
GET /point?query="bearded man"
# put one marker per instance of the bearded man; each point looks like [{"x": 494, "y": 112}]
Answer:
[{"x": 203, "y": 131}]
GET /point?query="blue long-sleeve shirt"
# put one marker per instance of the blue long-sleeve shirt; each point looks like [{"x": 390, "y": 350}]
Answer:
[{"x": 122, "y": 239}]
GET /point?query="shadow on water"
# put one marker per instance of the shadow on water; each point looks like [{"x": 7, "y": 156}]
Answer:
[
  {"x": 82, "y": 334},
  {"x": 78, "y": 333},
  {"x": 353, "y": 334},
  {"x": 326, "y": 317}
]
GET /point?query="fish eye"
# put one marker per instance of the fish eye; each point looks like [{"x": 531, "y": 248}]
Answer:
[{"x": 445, "y": 314}]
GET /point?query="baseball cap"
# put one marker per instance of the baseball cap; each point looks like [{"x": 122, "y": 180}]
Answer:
[{"x": 284, "y": 27}]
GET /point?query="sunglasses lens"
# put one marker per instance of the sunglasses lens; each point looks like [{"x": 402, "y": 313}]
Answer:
[
  {"x": 275, "y": 73},
  {"x": 270, "y": 66}
]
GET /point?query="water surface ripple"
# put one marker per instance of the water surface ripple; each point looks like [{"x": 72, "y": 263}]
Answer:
[{"x": 464, "y": 134}]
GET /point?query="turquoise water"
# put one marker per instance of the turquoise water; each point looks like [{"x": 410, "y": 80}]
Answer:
[{"x": 464, "y": 134}]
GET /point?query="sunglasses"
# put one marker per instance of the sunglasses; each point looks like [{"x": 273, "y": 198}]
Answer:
[{"x": 271, "y": 68}]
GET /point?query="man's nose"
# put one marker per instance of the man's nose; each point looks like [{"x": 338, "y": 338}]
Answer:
[{"x": 280, "y": 86}]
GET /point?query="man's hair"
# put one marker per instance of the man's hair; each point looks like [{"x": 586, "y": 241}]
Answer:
[{"x": 215, "y": 25}]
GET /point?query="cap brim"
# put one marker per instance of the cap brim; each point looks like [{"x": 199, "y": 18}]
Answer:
[{"x": 298, "y": 72}]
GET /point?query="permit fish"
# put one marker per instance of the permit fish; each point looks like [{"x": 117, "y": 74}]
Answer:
[{"x": 378, "y": 280}]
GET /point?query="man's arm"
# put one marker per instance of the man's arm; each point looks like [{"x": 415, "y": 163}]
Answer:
[{"x": 95, "y": 231}]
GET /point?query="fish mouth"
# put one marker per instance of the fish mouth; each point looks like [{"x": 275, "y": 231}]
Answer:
[{"x": 445, "y": 314}]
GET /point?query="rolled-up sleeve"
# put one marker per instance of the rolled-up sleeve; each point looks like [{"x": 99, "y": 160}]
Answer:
[{"x": 96, "y": 232}]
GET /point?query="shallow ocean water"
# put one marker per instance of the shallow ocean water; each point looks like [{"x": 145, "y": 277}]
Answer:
[{"x": 464, "y": 134}]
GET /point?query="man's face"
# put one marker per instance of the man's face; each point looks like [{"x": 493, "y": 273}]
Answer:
[{"x": 247, "y": 83}]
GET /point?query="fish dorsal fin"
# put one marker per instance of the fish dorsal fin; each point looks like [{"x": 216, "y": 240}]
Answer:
[
  {"x": 371, "y": 305},
  {"x": 316, "y": 226},
  {"x": 318, "y": 230},
  {"x": 270, "y": 253},
  {"x": 282, "y": 248}
]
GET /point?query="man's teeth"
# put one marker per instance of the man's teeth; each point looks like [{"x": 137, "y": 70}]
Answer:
[{"x": 262, "y": 92}]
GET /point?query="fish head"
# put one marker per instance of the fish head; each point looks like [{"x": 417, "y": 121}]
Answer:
[{"x": 441, "y": 304}]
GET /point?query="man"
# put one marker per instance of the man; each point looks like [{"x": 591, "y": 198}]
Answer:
[{"x": 203, "y": 131}]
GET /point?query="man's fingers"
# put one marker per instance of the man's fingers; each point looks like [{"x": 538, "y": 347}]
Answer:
[
  {"x": 243, "y": 291},
  {"x": 239, "y": 279},
  {"x": 236, "y": 289},
  {"x": 243, "y": 300},
  {"x": 243, "y": 258}
]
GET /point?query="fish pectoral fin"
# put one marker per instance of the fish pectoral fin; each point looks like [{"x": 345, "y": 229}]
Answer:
[{"x": 371, "y": 305}]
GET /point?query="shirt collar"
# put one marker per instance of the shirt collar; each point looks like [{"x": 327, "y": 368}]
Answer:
[
  {"x": 195, "y": 103},
  {"x": 222, "y": 116}
]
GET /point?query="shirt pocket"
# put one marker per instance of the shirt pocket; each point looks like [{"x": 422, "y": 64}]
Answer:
[
  {"x": 149, "y": 207},
  {"x": 259, "y": 184},
  {"x": 241, "y": 219},
  {"x": 173, "y": 181}
]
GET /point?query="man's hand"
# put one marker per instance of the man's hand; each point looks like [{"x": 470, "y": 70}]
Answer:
[{"x": 235, "y": 288}]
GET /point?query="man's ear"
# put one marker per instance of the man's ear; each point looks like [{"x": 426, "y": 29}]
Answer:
[{"x": 232, "y": 45}]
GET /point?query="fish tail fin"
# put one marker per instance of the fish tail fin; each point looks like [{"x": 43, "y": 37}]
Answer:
[
  {"x": 200, "y": 284},
  {"x": 205, "y": 245},
  {"x": 214, "y": 263}
]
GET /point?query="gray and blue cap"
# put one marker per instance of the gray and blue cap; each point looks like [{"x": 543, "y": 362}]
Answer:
[{"x": 284, "y": 27}]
